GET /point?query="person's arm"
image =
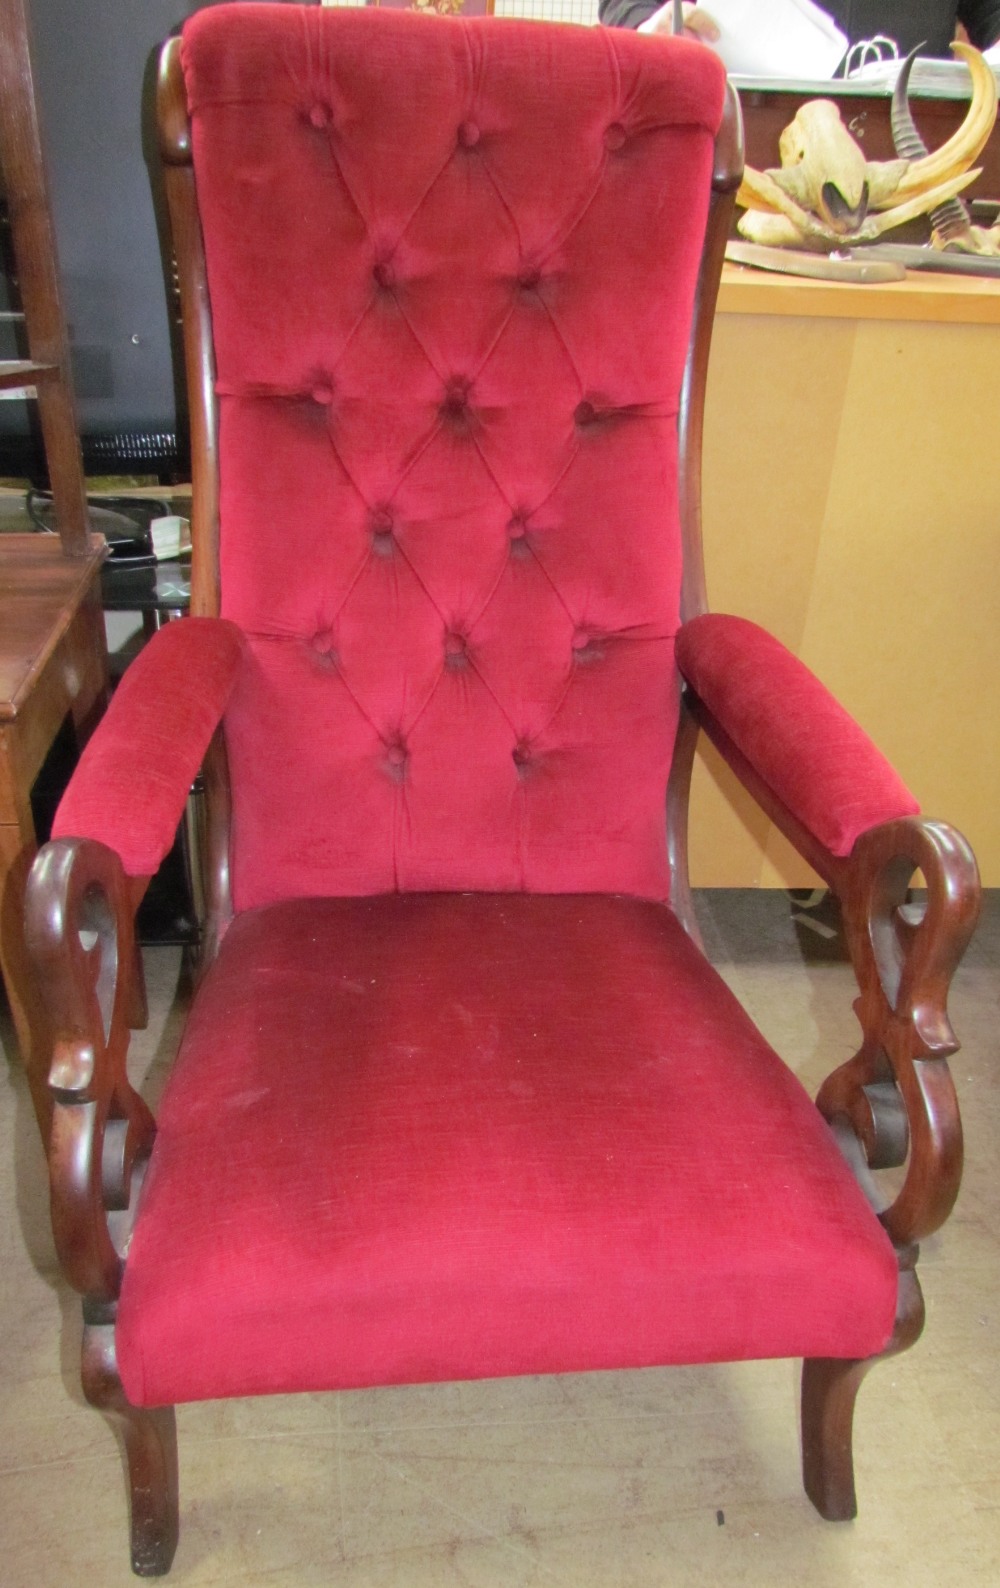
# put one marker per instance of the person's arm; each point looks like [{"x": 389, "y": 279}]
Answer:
[
  {"x": 982, "y": 19},
  {"x": 648, "y": 17},
  {"x": 625, "y": 13}
]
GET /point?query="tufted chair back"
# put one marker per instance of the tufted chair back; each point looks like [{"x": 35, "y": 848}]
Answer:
[{"x": 451, "y": 268}]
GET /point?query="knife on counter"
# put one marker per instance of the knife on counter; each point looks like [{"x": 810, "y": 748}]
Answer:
[
  {"x": 856, "y": 266},
  {"x": 915, "y": 256}
]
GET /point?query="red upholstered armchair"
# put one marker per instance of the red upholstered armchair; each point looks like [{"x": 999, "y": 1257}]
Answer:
[{"x": 459, "y": 1095}]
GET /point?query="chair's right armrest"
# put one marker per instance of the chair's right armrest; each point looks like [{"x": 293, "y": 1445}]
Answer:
[
  {"x": 833, "y": 794},
  {"x": 129, "y": 788}
]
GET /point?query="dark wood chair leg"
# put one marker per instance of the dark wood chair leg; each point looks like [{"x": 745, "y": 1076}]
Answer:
[
  {"x": 829, "y": 1389},
  {"x": 148, "y": 1438}
]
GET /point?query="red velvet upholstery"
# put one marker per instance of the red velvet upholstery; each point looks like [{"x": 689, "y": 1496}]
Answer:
[
  {"x": 136, "y": 771},
  {"x": 804, "y": 745},
  {"x": 438, "y": 1137},
  {"x": 451, "y": 270}
]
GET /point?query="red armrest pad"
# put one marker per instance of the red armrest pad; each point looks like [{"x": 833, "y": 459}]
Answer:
[
  {"x": 799, "y": 740},
  {"x": 129, "y": 788}
]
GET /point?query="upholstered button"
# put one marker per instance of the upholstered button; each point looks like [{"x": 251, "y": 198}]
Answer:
[
  {"x": 455, "y": 407},
  {"x": 323, "y": 643},
  {"x": 517, "y": 526},
  {"x": 384, "y": 274},
  {"x": 322, "y": 393},
  {"x": 614, "y": 136},
  {"x": 586, "y": 648},
  {"x": 457, "y": 392},
  {"x": 319, "y": 115},
  {"x": 529, "y": 278},
  {"x": 517, "y": 531},
  {"x": 456, "y": 650},
  {"x": 522, "y": 757},
  {"x": 468, "y": 134},
  {"x": 381, "y": 528},
  {"x": 584, "y": 414},
  {"x": 395, "y": 760}
]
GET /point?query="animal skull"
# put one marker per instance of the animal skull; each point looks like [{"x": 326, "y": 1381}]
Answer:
[{"x": 825, "y": 194}]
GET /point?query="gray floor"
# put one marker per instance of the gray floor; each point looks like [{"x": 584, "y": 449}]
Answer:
[{"x": 684, "y": 1476}]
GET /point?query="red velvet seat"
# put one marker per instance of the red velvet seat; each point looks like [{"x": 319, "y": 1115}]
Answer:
[
  {"x": 480, "y": 1136},
  {"x": 459, "y": 1094}
]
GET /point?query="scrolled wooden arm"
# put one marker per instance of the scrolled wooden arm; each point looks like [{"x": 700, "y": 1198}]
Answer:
[
  {"x": 79, "y": 919},
  {"x": 897, "y": 1092}
]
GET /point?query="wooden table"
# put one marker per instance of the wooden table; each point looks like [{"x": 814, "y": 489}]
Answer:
[
  {"x": 852, "y": 506},
  {"x": 53, "y": 666}
]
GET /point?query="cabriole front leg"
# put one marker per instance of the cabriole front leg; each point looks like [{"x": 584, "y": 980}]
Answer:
[
  {"x": 829, "y": 1390},
  {"x": 79, "y": 922},
  {"x": 148, "y": 1440}
]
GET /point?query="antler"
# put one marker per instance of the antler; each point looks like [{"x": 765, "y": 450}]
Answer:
[
  {"x": 951, "y": 223},
  {"x": 965, "y": 145}
]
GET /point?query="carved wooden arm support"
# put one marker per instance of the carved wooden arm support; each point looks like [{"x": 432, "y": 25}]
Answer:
[
  {"x": 897, "y": 1091},
  {"x": 79, "y": 919},
  {"x": 896, "y": 1094}
]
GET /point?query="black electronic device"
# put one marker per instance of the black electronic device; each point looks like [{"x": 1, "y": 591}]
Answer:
[
  {"x": 95, "y": 78},
  {"x": 94, "y": 82}
]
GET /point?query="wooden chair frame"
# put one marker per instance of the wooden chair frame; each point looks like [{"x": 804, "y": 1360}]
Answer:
[{"x": 893, "y": 1103}]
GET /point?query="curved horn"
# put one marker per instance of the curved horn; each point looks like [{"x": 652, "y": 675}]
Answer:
[
  {"x": 951, "y": 218},
  {"x": 906, "y": 140},
  {"x": 958, "y": 153}
]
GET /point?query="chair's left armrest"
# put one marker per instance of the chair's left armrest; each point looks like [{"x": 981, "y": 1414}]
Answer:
[
  {"x": 134, "y": 775},
  {"x": 754, "y": 698},
  {"x": 830, "y": 790}
]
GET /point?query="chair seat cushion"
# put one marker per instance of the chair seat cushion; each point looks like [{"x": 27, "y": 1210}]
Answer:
[{"x": 428, "y": 1137}]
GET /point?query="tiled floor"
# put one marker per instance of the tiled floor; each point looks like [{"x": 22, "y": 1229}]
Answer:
[{"x": 680, "y": 1477}]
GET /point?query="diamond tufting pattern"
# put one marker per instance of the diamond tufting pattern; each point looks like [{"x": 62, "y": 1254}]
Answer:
[{"x": 451, "y": 270}]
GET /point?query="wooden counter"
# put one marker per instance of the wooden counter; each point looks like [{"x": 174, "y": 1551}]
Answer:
[
  {"x": 852, "y": 506},
  {"x": 942, "y": 300}
]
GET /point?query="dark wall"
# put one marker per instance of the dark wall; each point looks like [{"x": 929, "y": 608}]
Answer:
[
  {"x": 94, "y": 67},
  {"x": 93, "y": 75},
  {"x": 91, "y": 58}
]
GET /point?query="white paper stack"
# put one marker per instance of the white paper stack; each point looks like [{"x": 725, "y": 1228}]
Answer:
[
  {"x": 779, "y": 38},
  {"x": 947, "y": 78}
]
